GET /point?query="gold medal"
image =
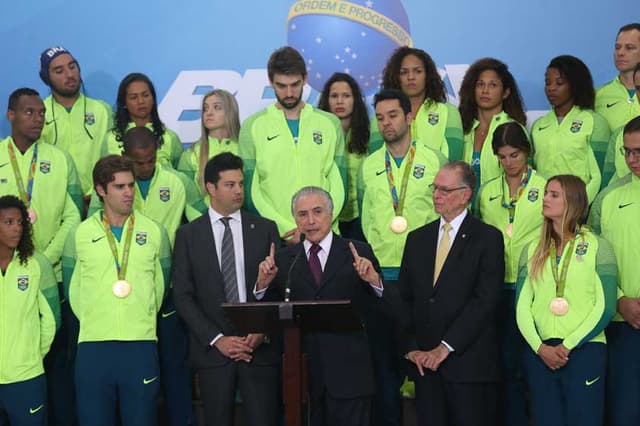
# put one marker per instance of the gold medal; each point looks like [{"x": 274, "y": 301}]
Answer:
[
  {"x": 121, "y": 289},
  {"x": 32, "y": 216},
  {"x": 398, "y": 224},
  {"x": 509, "y": 230},
  {"x": 559, "y": 306}
]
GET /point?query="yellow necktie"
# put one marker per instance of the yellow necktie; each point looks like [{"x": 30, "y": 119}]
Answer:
[{"x": 443, "y": 250}]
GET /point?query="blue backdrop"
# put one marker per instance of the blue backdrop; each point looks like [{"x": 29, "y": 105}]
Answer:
[{"x": 191, "y": 46}]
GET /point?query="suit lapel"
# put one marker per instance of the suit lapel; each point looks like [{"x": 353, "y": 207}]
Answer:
[
  {"x": 338, "y": 254},
  {"x": 251, "y": 256},
  {"x": 207, "y": 242}
]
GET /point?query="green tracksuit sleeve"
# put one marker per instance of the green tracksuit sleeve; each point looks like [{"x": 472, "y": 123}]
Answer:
[
  {"x": 599, "y": 139},
  {"x": 454, "y": 133},
  {"x": 524, "y": 300},
  {"x": 605, "y": 307},
  {"x": 247, "y": 152},
  {"x": 163, "y": 268},
  {"x": 341, "y": 180},
  {"x": 195, "y": 205},
  {"x": 185, "y": 165},
  {"x": 68, "y": 266},
  {"x": 70, "y": 218},
  {"x": 48, "y": 303},
  {"x": 593, "y": 186}
]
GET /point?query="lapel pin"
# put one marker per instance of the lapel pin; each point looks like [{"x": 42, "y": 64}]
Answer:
[
  {"x": 464, "y": 235},
  {"x": 252, "y": 226}
]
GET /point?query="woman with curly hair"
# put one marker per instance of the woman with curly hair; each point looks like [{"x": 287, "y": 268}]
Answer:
[
  {"x": 137, "y": 106},
  {"x": 436, "y": 123},
  {"x": 571, "y": 138},
  {"x": 341, "y": 96},
  {"x": 489, "y": 97},
  {"x": 29, "y": 317}
]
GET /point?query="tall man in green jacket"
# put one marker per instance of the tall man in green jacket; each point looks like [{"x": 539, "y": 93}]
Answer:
[
  {"x": 614, "y": 215},
  {"x": 74, "y": 122},
  {"x": 290, "y": 145},
  {"x": 44, "y": 177},
  {"x": 116, "y": 271}
]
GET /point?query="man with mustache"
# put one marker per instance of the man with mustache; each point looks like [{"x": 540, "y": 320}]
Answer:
[{"x": 288, "y": 145}]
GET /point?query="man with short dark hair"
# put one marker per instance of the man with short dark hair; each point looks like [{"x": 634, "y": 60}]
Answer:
[
  {"x": 327, "y": 267},
  {"x": 290, "y": 144},
  {"x": 617, "y": 100},
  {"x": 395, "y": 198},
  {"x": 614, "y": 215},
  {"x": 215, "y": 261},
  {"x": 450, "y": 284},
  {"x": 116, "y": 267},
  {"x": 74, "y": 122}
]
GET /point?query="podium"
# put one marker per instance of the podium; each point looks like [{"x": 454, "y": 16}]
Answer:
[{"x": 292, "y": 320}]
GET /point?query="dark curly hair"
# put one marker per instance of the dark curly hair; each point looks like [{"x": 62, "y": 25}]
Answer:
[
  {"x": 122, "y": 118},
  {"x": 579, "y": 78},
  {"x": 359, "y": 140},
  {"x": 25, "y": 246},
  {"x": 469, "y": 108},
  {"x": 434, "y": 86}
]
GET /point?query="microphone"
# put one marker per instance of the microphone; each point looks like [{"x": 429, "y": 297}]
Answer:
[{"x": 287, "y": 287}]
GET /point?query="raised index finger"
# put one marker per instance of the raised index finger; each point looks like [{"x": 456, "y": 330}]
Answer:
[
  {"x": 354, "y": 252},
  {"x": 272, "y": 250}
]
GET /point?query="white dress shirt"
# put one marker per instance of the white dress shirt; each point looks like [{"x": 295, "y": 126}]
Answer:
[{"x": 235, "y": 224}]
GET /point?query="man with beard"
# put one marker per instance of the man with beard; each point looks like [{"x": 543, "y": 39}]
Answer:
[
  {"x": 289, "y": 145},
  {"x": 395, "y": 198},
  {"x": 74, "y": 122}
]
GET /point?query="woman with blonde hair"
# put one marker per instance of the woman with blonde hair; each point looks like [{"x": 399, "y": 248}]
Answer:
[
  {"x": 220, "y": 128},
  {"x": 565, "y": 297}
]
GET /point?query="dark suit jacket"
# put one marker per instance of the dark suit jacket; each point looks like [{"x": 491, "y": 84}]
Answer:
[
  {"x": 461, "y": 308},
  {"x": 339, "y": 361},
  {"x": 199, "y": 285}
]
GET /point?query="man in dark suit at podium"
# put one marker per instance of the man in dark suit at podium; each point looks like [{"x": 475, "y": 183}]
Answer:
[
  {"x": 327, "y": 267},
  {"x": 450, "y": 281},
  {"x": 215, "y": 261}
]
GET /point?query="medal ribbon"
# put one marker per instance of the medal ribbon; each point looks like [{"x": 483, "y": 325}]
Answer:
[
  {"x": 560, "y": 281},
  {"x": 511, "y": 205},
  {"x": 398, "y": 202},
  {"x": 120, "y": 267},
  {"x": 25, "y": 194}
]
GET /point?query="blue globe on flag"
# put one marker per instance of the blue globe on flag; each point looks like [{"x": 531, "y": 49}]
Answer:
[{"x": 355, "y": 37}]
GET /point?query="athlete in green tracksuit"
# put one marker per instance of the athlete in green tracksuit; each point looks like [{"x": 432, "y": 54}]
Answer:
[
  {"x": 565, "y": 147},
  {"x": 565, "y": 297},
  {"x": 614, "y": 215},
  {"x": 116, "y": 272},
  {"x": 394, "y": 197},
  {"x": 43, "y": 176},
  {"x": 165, "y": 196},
  {"x": 74, "y": 122},
  {"x": 29, "y": 317},
  {"x": 512, "y": 203}
]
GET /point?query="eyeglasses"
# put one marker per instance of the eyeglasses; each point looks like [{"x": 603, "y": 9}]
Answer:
[
  {"x": 627, "y": 152},
  {"x": 445, "y": 190}
]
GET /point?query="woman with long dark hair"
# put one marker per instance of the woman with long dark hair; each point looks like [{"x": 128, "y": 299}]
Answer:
[
  {"x": 137, "y": 105},
  {"x": 489, "y": 97},
  {"x": 341, "y": 96}
]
